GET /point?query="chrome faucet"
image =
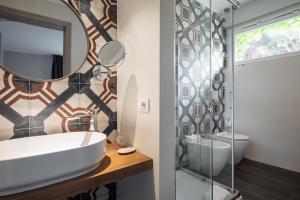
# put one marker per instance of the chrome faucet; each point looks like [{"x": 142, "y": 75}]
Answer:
[{"x": 93, "y": 120}]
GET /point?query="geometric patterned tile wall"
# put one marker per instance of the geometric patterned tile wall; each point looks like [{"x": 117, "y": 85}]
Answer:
[
  {"x": 29, "y": 108},
  {"x": 194, "y": 94}
]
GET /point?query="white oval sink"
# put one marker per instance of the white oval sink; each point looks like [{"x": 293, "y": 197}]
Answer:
[{"x": 33, "y": 162}]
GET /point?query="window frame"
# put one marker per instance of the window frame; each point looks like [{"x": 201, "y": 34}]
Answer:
[{"x": 271, "y": 19}]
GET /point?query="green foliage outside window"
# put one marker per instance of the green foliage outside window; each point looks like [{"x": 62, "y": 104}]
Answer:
[{"x": 274, "y": 39}]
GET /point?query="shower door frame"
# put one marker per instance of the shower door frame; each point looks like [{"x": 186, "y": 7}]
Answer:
[{"x": 235, "y": 4}]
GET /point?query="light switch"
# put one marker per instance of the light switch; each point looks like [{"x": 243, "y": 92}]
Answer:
[{"x": 144, "y": 105}]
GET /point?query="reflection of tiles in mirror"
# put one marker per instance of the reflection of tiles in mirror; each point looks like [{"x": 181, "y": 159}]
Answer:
[{"x": 30, "y": 108}]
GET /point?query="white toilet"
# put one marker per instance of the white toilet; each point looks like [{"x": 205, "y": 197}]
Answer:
[
  {"x": 240, "y": 143},
  {"x": 199, "y": 150}
]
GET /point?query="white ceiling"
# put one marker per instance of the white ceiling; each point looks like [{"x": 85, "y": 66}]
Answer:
[
  {"x": 219, "y": 5},
  {"x": 56, "y": 1},
  {"x": 25, "y": 38}
]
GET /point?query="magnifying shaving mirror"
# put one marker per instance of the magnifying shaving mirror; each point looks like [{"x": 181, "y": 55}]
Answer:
[{"x": 112, "y": 54}]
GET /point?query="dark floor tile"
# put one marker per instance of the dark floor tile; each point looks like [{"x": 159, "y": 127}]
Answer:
[
  {"x": 294, "y": 197},
  {"x": 258, "y": 181},
  {"x": 77, "y": 197}
]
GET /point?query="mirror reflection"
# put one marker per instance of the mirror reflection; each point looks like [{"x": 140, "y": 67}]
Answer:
[{"x": 41, "y": 42}]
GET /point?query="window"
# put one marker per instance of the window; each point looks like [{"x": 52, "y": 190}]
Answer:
[{"x": 281, "y": 37}]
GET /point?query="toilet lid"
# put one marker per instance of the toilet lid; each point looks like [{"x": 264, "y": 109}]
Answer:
[{"x": 228, "y": 135}]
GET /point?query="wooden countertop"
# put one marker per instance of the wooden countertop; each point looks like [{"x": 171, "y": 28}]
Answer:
[{"x": 113, "y": 168}]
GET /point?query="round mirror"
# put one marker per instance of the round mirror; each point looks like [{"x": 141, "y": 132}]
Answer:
[
  {"x": 112, "y": 54},
  {"x": 41, "y": 39}
]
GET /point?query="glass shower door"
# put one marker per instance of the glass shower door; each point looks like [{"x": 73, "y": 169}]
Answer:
[
  {"x": 194, "y": 120},
  {"x": 222, "y": 83},
  {"x": 204, "y": 74}
]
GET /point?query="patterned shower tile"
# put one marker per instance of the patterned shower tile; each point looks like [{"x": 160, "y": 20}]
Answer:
[
  {"x": 22, "y": 106},
  {"x": 20, "y": 133},
  {"x": 98, "y": 8},
  {"x": 6, "y": 128},
  {"x": 14, "y": 107},
  {"x": 52, "y": 128},
  {"x": 101, "y": 123},
  {"x": 38, "y": 131},
  {"x": 55, "y": 100},
  {"x": 86, "y": 68},
  {"x": 193, "y": 72},
  {"x": 105, "y": 115},
  {"x": 61, "y": 125},
  {"x": 92, "y": 99},
  {"x": 112, "y": 104},
  {"x": 105, "y": 11},
  {"x": 105, "y": 89},
  {"x": 86, "y": 20},
  {"x": 2, "y": 72},
  {"x": 11, "y": 90}
]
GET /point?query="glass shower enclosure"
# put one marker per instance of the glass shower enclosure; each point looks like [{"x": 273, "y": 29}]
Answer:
[{"x": 204, "y": 75}]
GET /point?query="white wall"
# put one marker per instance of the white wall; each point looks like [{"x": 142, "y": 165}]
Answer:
[
  {"x": 267, "y": 109},
  {"x": 167, "y": 101},
  {"x": 147, "y": 31},
  {"x": 138, "y": 77},
  {"x": 25, "y": 38},
  {"x": 266, "y": 99},
  {"x": 24, "y": 64}
]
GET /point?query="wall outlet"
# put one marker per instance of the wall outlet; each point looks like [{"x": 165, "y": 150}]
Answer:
[{"x": 144, "y": 105}]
